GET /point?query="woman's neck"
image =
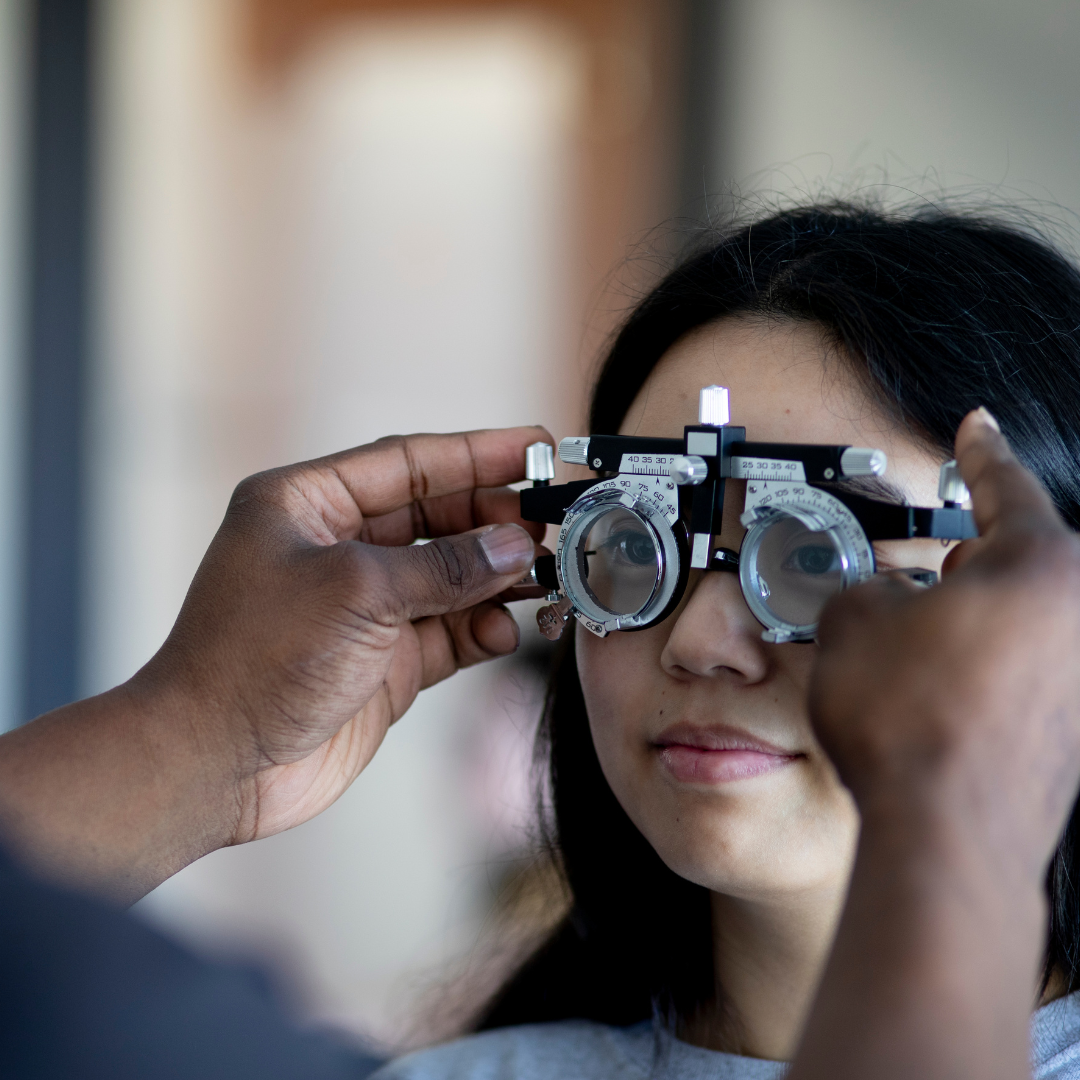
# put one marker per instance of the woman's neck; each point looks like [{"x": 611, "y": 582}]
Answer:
[{"x": 768, "y": 959}]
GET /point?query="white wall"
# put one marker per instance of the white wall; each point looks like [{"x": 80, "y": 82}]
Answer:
[
  {"x": 969, "y": 94},
  {"x": 14, "y": 72},
  {"x": 373, "y": 246}
]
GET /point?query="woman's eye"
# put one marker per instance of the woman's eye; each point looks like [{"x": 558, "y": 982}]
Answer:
[
  {"x": 632, "y": 547},
  {"x": 813, "y": 559}
]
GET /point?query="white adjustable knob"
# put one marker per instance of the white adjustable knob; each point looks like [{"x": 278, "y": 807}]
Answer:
[
  {"x": 951, "y": 486},
  {"x": 539, "y": 461},
  {"x": 714, "y": 406}
]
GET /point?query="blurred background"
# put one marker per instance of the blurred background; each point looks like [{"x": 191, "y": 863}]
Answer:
[{"x": 236, "y": 233}]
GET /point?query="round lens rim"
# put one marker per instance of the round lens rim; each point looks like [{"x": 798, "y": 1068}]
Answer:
[
  {"x": 579, "y": 535},
  {"x": 671, "y": 562},
  {"x": 750, "y": 580}
]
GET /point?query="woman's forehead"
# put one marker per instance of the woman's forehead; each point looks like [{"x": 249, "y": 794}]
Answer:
[{"x": 788, "y": 383}]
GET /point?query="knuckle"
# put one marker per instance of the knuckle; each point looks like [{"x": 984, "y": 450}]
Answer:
[
  {"x": 356, "y": 571},
  {"x": 1051, "y": 557},
  {"x": 447, "y": 564},
  {"x": 850, "y": 607},
  {"x": 251, "y": 489},
  {"x": 418, "y": 481},
  {"x": 262, "y": 489},
  {"x": 251, "y": 499}
]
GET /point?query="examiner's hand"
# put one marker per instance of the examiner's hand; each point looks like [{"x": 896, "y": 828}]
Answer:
[
  {"x": 970, "y": 688},
  {"x": 953, "y": 715},
  {"x": 312, "y": 623},
  {"x": 310, "y": 627}
]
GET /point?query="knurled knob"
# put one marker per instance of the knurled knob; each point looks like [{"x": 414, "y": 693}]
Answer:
[
  {"x": 714, "y": 406},
  {"x": 951, "y": 486},
  {"x": 575, "y": 450},
  {"x": 539, "y": 461},
  {"x": 862, "y": 461}
]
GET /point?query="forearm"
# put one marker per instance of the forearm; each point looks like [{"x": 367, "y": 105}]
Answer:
[
  {"x": 115, "y": 793},
  {"x": 933, "y": 970}
]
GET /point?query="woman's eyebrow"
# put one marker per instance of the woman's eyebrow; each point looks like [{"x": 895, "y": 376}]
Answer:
[{"x": 871, "y": 487}]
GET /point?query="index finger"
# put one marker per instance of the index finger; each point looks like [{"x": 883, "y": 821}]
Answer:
[
  {"x": 1003, "y": 492},
  {"x": 394, "y": 472},
  {"x": 446, "y": 515}
]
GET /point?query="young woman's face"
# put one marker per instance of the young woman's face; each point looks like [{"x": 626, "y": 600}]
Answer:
[{"x": 701, "y": 728}]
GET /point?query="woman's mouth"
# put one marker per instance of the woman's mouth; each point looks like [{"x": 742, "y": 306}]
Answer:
[{"x": 717, "y": 754}]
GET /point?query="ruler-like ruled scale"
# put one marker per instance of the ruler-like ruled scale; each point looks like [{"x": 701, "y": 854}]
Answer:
[
  {"x": 742, "y": 468},
  {"x": 754, "y": 468},
  {"x": 647, "y": 464}
]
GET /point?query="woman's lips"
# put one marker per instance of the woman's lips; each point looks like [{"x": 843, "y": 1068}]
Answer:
[{"x": 717, "y": 754}]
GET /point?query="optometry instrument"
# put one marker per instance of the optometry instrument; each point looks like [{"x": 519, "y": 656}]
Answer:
[{"x": 628, "y": 540}]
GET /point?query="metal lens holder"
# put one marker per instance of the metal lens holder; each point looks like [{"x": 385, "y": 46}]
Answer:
[
  {"x": 819, "y": 514},
  {"x": 806, "y": 538},
  {"x": 586, "y": 515}
]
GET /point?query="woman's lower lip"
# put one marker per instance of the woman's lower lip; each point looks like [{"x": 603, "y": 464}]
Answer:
[{"x": 692, "y": 765}]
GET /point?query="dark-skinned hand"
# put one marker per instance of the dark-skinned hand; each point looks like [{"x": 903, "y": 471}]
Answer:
[
  {"x": 953, "y": 715},
  {"x": 312, "y": 624}
]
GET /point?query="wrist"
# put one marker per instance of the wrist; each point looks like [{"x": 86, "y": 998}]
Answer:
[
  {"x": 192, "y": 769},
  {"x": 116, "y": 793},
  {"x": 200, "y": 742},
  {"x": 938, "y": 844},
  {"x": 959, "y": 933}
]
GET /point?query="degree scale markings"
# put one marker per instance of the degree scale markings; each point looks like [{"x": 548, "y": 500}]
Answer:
[
  {"x": 646, "y": 464},
  {"x": 742, "y": 468},
  {"x": 745, "y": 468}
]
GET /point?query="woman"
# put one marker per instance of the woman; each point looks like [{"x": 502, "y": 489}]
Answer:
[{"x": 705, "y": 838}]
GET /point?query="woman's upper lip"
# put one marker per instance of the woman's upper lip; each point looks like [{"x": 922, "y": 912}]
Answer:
[{"x": 716, "y": 737}]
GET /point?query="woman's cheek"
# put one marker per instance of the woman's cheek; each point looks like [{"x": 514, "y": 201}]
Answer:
[
  {"x": 613, "y": 675},
  {"x": 589, "y": 651},
  {"x": 617, "y": 681},
  {"x": 600, "y": 686}
]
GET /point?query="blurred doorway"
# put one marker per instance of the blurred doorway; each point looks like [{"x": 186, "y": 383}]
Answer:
[{"x": 624, "y": 89}]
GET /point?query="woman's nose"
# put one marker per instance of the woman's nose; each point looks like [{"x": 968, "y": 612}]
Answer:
[{"x": 716, "y": 635}]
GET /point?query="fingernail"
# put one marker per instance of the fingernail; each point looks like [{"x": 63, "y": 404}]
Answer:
[
  {"x": 987, "y": 417},
  {"x": 508, "y": 548}
]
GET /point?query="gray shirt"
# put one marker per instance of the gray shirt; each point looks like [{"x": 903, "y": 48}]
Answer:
[{"x": 576, "y": 1049}]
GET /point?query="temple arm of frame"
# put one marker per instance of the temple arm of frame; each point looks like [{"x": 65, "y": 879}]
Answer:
[
  {"x": 885, "y": 521},
  {"x": 549, "y": 504}
]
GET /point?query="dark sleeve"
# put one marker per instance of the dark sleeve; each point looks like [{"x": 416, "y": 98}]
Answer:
[{"x": 88, "y": 992}]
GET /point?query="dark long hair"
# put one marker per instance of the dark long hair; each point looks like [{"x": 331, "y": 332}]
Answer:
[{"x": 939, "y": 312}]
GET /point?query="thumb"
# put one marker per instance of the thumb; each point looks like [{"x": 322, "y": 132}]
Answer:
[
  {"x": 1003, "y": 493},
  {"x": 454, "y": 572}
]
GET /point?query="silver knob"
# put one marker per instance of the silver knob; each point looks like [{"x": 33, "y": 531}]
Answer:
[
  {"x": 539, "y": 461},
  {"x": 714, "y": 406},
  {"x": 862, "y": 461},
  {"x": 951, "y": 487},
  {"x": 691, "y": 470},
  {"x": 575, "y": 450}
]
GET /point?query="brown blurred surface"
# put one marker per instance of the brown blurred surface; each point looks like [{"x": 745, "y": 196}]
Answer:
[{"x": 627, "y": 153}]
